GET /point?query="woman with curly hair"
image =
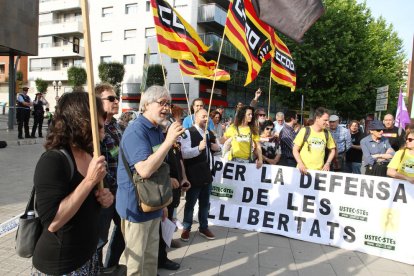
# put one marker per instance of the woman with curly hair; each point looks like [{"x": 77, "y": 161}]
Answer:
[
  {"x": 68, "y": 201},
  {"x": 244, "y": 137}
]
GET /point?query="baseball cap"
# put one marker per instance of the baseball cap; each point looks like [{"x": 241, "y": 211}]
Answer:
[
  {"x": 376, "y": 125},
  {"x": 333, "y": 118}
]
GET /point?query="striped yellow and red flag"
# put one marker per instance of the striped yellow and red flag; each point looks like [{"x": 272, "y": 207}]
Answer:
[
  {"x": 203, "y": 69},
  {"x": 248, "y": 34},
  {"x": 175, "y": 36},
  {"x": 283, "y": 67}
]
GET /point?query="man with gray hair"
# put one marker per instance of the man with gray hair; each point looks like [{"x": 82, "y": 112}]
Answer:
[
  {"x": 144, "y": 148},
  {"x": 343, "y": 143},
  {"x": 279, "y": 123}
]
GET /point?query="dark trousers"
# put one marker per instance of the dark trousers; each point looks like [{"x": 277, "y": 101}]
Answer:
[
  {"x": 202, "y": 194},
  {"x": 23, "y": 117},
  {"x": 162, "y": 246},
  {"x": 117, "y": 243},
  {"x": 38, "y": 123},
  {"x": 289, "y": 162}
]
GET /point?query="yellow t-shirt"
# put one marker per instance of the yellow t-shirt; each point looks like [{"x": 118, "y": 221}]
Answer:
[
  {"x": 405, "y": 165},
  {"x": 313, "y": 150},
  {"x": 240, "y": 143}
]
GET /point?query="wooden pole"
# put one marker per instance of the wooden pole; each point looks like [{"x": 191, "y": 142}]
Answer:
[
  {"x": 214, "y": 82},
  {"x": 270, "y": 89},
  {"x": 185, "y": 91},
  {"x": 90, "y": 81}
]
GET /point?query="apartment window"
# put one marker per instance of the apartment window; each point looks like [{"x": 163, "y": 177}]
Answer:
[
  {"x": 38, "y": 64},
  {"x": 131, "y": 8},
  {"x": 179, "y": 3},
  {"x": 106, "y": 36},
  {"x": 149, "y": 32},
  {"x": 107, "y": 11},
  {"x": 153, "y": 59},
  {"x": 77, "y": 62},
  {"x": 128, "y": 34},
  {"x": 65, "y": 63},
  {"x": 129, "y": 59},
  {"x": 177, "y": 88},
  {"x": 106, "y": 59},
  {"x": 2, "y": 68},
  {"x": 148, "y": 6}
]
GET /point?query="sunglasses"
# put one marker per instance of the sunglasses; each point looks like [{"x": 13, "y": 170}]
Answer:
[
  {"x": 111, "y": 98},
  {"x": 164, "y": 103},
  {"x": 269, "y": 128},
  {"x": 262, "y": 115},
  {"x": 378, "y": 130},
  {"x": 410, "y": 139}
]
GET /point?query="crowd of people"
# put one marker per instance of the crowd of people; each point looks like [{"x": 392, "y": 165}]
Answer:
[{"x": 76, "y": 214}]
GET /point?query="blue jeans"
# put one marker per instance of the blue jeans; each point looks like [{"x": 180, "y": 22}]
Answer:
[
  {"x": 117, "y": 244},
  {"x": 202, "y": 194},
  {"x": 353, "y": 167}
]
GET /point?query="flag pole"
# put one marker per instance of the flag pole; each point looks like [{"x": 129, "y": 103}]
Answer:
[
  {"x": 214, "y": 80},
  {"x": 185, "y": 92},
  {"x": 162, "y": 66},
  {"x": 90, "y": 82},
  {"x": 270, "y": 89}
]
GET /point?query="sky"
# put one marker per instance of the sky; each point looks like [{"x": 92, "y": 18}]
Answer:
[{"x": 401, "y": 14}]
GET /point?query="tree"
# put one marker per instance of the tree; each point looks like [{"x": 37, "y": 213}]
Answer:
[
  {"x": 77, "y": 77},
  {"x": 344, "y": 57},
  {"x": 112, "y": 73},
  {"x": 155, "y": 76},
  {"x": 41, "y": 85}
]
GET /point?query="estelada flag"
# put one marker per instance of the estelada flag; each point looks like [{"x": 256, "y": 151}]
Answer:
[
  {"x": 282, "y": 68},
  {"x": 199, "y": 69},
  {"x": 249, "y": 35},
  {"x": 175, "y": 36}
]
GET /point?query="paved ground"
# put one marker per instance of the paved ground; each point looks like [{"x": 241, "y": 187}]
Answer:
[{"x": 234, "y": 252}]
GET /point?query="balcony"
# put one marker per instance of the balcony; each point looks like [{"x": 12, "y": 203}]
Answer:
[
  {"x": 212, "y": 16},
  {"x": 50, "y": 73},
  {"x": 58, "y": 5},
  {"x": 214, "y": 41},
  {"x": 73, "y": 26},
  {"x": 60, "y": 50}
]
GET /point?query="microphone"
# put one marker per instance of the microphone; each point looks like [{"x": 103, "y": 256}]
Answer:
[{"x": 172, "y": 120}]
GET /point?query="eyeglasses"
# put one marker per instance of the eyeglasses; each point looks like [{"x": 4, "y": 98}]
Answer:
[
  {"x": 164, "y": 103},
  {"x": 269, "y": 128},
  {"x": 111, "y": 98},
  {"x": 410, "y": 139},
  {"x": 262, "y": 115}
]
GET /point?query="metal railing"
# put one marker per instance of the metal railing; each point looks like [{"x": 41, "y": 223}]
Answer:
[{"x": 214, "y": 41}]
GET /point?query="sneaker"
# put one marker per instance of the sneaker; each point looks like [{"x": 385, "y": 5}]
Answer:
[
  {"x": 207, "y": 234},
  {"x": 185, "y": 235}
]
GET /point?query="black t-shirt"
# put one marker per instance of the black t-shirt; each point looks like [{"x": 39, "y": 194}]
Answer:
[
  {"x": 396, "y": 141},
  {"x": 355, "y": 155},
  {"x": 74, "y": 244}
]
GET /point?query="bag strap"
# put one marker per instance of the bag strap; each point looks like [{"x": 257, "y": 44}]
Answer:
[{"x": 124, "y": 161}]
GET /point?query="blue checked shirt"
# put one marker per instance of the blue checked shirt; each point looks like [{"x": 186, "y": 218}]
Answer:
[
  {"x": 286, "y": 136},
  {"x": 342, "y": 139}
]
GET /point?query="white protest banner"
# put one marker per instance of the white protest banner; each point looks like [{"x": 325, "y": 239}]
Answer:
[{"x": 355, "y": 212}]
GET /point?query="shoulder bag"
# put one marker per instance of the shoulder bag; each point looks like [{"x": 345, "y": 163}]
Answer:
[
  {"x": 153, "y": 193},
  {"x": 30, "y": 226}
]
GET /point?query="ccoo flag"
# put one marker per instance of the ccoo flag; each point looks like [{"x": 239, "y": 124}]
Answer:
[
  {"x": 402, "y": 118},
  {"x": 198, "y": 70},
  {"x": 249, "y": 35},
  {"x": 291, "y": 17},
  {"x": 175, "y": 36},
  {"x": 283, "y": 68}
]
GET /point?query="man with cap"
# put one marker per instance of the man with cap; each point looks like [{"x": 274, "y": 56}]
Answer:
[
  {"x": 38, "y": 114},
  {"x": 23, "y": 105},
  {"x": 376, "y": 150},
  {"x": 343, "y": 143}
]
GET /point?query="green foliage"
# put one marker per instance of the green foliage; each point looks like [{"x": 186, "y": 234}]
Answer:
[
  {"x": 41, "y": 85},
  {"x": 112, "y": 73},
  {"x": 77, "y": 77},
  {"x": 19, "y": 76},
  {"x": 345, "y": 56},
  {"x": 155, "y": 76}
]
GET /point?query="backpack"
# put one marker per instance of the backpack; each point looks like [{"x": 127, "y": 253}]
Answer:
[{"x": 307, "y": 134}]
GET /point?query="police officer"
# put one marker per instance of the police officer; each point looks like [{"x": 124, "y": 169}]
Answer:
[{"x": 23, "y": 113}]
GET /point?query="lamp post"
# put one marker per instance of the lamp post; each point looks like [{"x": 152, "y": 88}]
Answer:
[{"x": 57, "y": 86}]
